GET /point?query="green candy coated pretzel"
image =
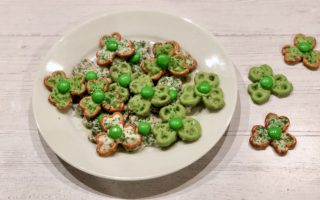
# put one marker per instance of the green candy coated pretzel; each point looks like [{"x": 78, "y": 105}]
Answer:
[
  {"x": 121, "y": 92},
  {"x": 189, "y": 97},
  {"x": 212, "y": 78},
  {"x": 215, "y": 100},
  {"x": 97, "y": 84},
  {"x": 256, "y": 73},
  {"x": 139, "y": 80},
  {"x": 61, "y": 100},
  {"x": 258, "y": 94},
  {"x": 170, "y": 111},
  {"x": 191, "y": 130},
  {"x": 165, "y": 136},
  {"x": 282, "y": 87},
  {"x": 139, "y": 106},
  {"x": 119, "y": 68},
  {"x": 161, "y": 96}
]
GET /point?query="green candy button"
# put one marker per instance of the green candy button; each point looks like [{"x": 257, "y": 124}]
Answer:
[
  {"x": 135, "y": 58},
  {"x": 163, "y": 61},
  {"x": 115, "y": 132},
  {"x": 175, "y": 123},
  {"x": 144, "y": 128},
  {"x": 274, "y": 132},
  {"x": 91, "y": 75},
  {"x": 147, "y": 92},
  {"x": 98, "y": 96},
  {"x": 112, "y": 45},
  {"x": 304, "y": 47},
  {"x": 63, "y": 86},
  {"x": 266, "y": 82},
  {"x": 124, "y": 80},
  {"x": 173, "y": 94},
  {"x": 204, "y": 87}
]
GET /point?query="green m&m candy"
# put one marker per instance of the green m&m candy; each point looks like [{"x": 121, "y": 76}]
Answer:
[
  {"x": 304, "y": 47},
  {"x": 115, "y": 132},
  {"x": 175, "y": 123},
  {"x": 163, "y": 61},
  {"x": 91, "y": 75},
  {"x": 112, "y": 45},
  {"x": 266, "y": 82},
  {"x": 147, "y": 92},
  {"x": 173, "y": 94},
  {"x": 204, "y": 87},
  {"x": 144, "y": 128},
  {"x": 98, "y": 96},
  {"x": 124, "y": 80},
  {"x": 135, "y": 58},
  {"x": 274, "y": 132},
  {"x": 63, "y": 86}
]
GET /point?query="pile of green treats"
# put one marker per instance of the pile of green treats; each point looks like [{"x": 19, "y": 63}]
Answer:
[{"x": 137, "y": 94}]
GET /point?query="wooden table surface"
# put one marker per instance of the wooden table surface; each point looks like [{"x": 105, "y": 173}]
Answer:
[{"x": 252, "y": 32}]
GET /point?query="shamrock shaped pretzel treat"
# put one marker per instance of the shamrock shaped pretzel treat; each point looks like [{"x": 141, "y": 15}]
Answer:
[
  {"x": 175, "y": 124},
  {"x": 116, "y": 133},
  {"x": 206, "y": 89},
  {"x": 168, "y": 57},
  {"x": 266, "y": 83},
  {"x": 111, "y": 46},
  {"x": 63, "y": 88},
  {"x": 274, "y": 132},
  {"x": 302, "y": 50}
]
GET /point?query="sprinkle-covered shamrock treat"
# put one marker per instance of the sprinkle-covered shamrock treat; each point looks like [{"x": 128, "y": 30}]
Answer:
[
  {"x": 302, "y": 50},
  {"x": 132, "y": 95},
  {"x": 266, "y": 83},
  {"x": 274, "y": 132},
  {"x": 63, "y": 88}
]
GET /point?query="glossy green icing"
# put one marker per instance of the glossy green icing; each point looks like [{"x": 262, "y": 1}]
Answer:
[
  {"x": 165, "y": 136},
  {"x": 191, "y": 130}
]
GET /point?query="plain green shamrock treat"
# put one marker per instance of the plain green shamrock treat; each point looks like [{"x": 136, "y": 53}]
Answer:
[
  {"x": 138, "y": 81},
  {"x": 188, "y": 130},
  {"x": 119, "y": 68},
  {"x": 63, "y": 88},
  {"x": 274, "y": 132},
  {"x": 207, "y": 89},
  {"x": 111, "y": 46},
  {"x": 173, "y": 110},
  {"x": 157, "y": 96},
  {"x": 265, "y": 83},
  {"x": 302, "y": 50}
]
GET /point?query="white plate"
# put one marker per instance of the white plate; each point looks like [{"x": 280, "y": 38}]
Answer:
[{"x": 67, "y": 138}]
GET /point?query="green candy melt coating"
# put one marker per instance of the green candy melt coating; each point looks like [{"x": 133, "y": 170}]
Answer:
[
  {"x": 63, "y": 86},
  {"x": 136, "y": 58},
  {"x": 204, "y": 87},
  {"x": 173, "y": 110},
  {"x": 175, "y": 123},
  {"x": 112, "y": 45},
  {"x": 258, "y": 94},
  {"x": 282, "y": 87},
  {"x": 173, "y": 94},
  {"x": 115, "y": 132},
  {"x": 266, "y": 82},
  {"x": 304, "y": 47},
  {"x": 274, "y": 132},
  {"x": 212, "y": 78},
  {"x": 144, "y": 128},
  {"x": 98, "y": 96},
  {"x": 164, "y": 135},
  {"x": 124, "y": 80},
  {"x": 139, "y": 80},
  {"x": 139, "y": 106},
  {"x": 147, "y": 92},
  {"x": 191, "y": 130},
  {"x": 256, "y": 73},
  {"x": 161, "y": 96},
  {"x": 91, "y": 75},
  {"x": 163, "y": 61},
  {"x": 189, "y": 97},
  {"x": 215, "y": 100}
]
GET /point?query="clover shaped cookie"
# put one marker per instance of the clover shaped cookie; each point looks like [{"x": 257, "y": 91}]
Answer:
[
  {"x": 266, "y": 83},
  {"x": 158, "y": 96},
  {"x": 63, "y": 88},
  {"x": 206, "y": 89},
  {"x": 274, "y": 132},
  {"x": 116, "y": 133},
  {"x": 302, "y": 50},
  {"x": 175, "y": 124},
  {"x": 112, "y": 100},
  {"x": 111, "y": 46}
]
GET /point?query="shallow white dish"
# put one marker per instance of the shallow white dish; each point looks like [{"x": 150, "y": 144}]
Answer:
[{"x": 67, "y": 138}]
